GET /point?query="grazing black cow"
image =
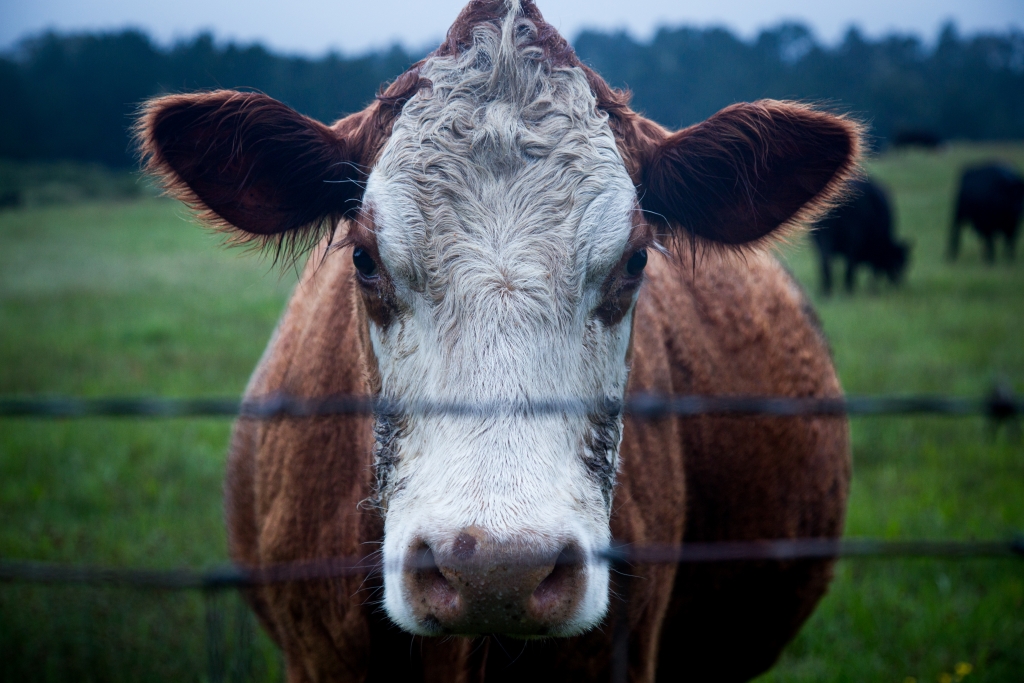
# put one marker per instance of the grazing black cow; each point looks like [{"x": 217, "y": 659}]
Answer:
[
  {"x": 991, "y": 198},
  {"x": 860, "y": 230}
]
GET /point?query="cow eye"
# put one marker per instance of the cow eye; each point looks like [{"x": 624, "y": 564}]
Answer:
[
  {"x": 364, "y": 263},
  {"x": 636, "y": 263}
]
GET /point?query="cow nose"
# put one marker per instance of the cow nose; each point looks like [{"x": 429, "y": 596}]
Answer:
[{"x": 468, "y": 585}]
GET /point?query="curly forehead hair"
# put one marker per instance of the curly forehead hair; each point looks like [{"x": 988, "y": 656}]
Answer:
[
  {"x": 500, "y": 117},
  {"x": 501, "y": 96}
]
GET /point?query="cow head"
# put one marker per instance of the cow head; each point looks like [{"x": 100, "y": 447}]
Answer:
[{"x": 500, "y": 203}]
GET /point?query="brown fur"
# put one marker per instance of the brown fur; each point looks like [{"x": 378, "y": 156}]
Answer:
[{"x": 298, "y": 489}]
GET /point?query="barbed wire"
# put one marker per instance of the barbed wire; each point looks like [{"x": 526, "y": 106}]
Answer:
[
  {"x": 235, "y": 576},
  {"x": 999, "y": 404}
]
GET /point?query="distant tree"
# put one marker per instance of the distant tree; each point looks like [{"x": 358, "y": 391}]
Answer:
[
  {"x": 73, "y": 96},
  {"x": 962, "y": 88},
  {"x": 18, "y": 134},
  {"x": 84, "y": 89}
]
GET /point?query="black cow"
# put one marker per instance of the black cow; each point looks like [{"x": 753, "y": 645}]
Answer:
[
  {"x": 991, "y": 198},
  {"x": 860, "y": 230}
]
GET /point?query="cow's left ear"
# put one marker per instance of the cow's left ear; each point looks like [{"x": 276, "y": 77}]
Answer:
[{"x": 749, "y": 169}]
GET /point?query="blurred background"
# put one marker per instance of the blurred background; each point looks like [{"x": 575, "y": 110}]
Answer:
[{"x": 108, "y": 289}]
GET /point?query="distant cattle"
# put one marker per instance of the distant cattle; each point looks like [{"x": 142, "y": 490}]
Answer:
[
  {"x": 991, "y": 198},
  {"x": 861, "y": 231}
]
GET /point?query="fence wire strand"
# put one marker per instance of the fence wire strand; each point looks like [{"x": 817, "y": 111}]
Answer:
[
  {"x": 234, "y": 576},
  {"x": 999, "y": 404}
]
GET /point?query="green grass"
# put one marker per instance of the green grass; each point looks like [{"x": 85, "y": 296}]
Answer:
[
  {"x": 119, "y": 298},
  {"x": 126, "y": 297}
]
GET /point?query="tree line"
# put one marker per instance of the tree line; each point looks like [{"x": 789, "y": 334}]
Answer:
[{"x": 73, "y": 96}]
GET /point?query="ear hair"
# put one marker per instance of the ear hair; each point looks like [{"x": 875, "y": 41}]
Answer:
[
  {"x": 747, "y": 171},
  {"x": 247, "y": 161}
]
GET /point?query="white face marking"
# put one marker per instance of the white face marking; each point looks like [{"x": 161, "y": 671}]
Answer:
[{"x": 501, "y": 204}]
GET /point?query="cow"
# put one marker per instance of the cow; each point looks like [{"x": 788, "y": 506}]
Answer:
[
  {"x": 500, "y": 228},
  {"x": 861, "y": 231},
  {"x": 991, "y": 199}
]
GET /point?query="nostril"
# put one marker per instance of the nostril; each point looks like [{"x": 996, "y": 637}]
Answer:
[
  {"x": 421, "y": 558},
  {"x": 431, "y": 588},
  {"x": 555, "y": 597}
]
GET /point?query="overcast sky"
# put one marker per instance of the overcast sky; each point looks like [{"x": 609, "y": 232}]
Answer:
[{"x": 351, "y": 26}]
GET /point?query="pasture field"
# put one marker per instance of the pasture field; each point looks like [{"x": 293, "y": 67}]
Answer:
[{"x": 127, "y": 298}]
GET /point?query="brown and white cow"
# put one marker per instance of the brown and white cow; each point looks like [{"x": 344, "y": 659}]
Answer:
[{"x": 499, "y": 226}]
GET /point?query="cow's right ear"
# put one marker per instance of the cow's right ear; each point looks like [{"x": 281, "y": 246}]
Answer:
[{"x": 247, "y": 161}]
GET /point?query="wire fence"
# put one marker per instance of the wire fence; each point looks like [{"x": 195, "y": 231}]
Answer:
[
  {"x": 999, "y": 405},
  {"x": 234, "y": 576}
]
